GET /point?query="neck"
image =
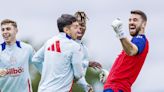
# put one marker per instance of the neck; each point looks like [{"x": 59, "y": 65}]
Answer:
[
  {"x": 11, "y": 42},
  {"x": 141, "y": 31}
]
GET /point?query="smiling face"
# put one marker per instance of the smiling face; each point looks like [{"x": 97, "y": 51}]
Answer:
[
  {"x": 72, "y": 30},
  {"x": 137, "y": 22},
  {"x": 8, "y": 32},
  {"x": 82, "y": 30},
  {"x": 81, "y": 18}
]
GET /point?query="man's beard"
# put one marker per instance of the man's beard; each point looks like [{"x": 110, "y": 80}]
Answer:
[{"x": 136, "y": 32}]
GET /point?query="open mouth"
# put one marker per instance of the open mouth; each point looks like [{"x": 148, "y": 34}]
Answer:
[
  {"x": 6, "y": 36},
  {"x": 132, "y": 27},
  {"x": 79, "y": 33}
]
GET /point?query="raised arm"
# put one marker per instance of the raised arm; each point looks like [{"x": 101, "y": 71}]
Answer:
[{"x": 129, "y": 47}]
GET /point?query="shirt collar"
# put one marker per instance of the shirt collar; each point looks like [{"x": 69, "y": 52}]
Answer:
[
  {"x": 3, "y": 45},
  {"x": 79, "y": 41},
  {"x": 62, "y": 34},
  {"x": 69, "y": 37}
]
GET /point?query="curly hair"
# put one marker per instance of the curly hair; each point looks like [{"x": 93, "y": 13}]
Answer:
[{"x": 81, "y": 17}]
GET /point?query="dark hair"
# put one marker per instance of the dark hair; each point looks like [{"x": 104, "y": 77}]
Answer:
[
  {"x": 65, "y": 20},
  {"x": 139, "y": 12},
  {"x": 81, "y": 17},
  {"x": 7, "y": 21}
]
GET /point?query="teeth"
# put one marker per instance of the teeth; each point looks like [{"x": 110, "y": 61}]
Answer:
[
  {"x": 132, "y": 27},
  {"x": 5, "y": 36}
]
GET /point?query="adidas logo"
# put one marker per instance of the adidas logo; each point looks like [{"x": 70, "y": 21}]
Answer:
[{"x": 55, "y": 47}]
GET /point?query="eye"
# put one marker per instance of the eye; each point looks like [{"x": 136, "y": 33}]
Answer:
[
  {"x": 135, "y": 19},
  {"x": 3, "y": 29},
  {"x": 75, "y": 26},
  {"x": 8, "y": 28}
]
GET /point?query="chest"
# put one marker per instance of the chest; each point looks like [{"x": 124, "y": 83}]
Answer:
[{"x": 13, "y": 57}]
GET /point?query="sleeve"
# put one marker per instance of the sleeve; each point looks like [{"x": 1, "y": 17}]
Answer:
[
  {"x": 83, "y": 83},
  {"x": 140, "y": 42},
  {"x": 32, "y": 52},
  {"x": 86, "y": 57},
  {"x": 38, "y": 59},
  {"x": 77, "y": 63}
]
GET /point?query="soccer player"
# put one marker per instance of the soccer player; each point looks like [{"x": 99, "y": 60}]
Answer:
[
  {"x": 129, "y": 63},
  {"x": 81, "y": 17},
  {"x": 61, "y": 57},
  {"x": 15, "y": 57}
]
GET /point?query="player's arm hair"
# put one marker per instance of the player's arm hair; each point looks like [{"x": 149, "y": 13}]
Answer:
[{"x": 130, "y": 48}]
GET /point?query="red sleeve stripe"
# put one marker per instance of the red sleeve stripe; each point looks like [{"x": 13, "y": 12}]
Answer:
[
  {"x": 53, "y": 47},
  {"x": 29, "y": 86},
  {"x": 58, "y": 46}
]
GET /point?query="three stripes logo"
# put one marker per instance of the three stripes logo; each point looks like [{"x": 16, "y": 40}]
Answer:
[{"x": 55, "y": 47}]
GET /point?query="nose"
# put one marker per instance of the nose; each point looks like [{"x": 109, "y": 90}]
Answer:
[{"x": 131, "y": 22}]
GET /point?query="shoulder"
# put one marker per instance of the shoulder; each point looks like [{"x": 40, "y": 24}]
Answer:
[
  {"x": 25, "y": 45},
  {"x": 51, "y": 40},
  {"x": 2, "y": 47},
  {"x": 75, "y": 46},
  {"x": 71, "y": 45},
  {"x": 139, "y": 38},
  {"x": 140, "y": 42}
]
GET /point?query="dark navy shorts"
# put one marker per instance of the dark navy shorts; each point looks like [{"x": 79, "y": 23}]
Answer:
[{"x": 110, "y": 90}]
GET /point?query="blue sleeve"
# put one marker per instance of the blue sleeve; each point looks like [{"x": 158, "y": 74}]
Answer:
[{"x": 140, "y": 42}]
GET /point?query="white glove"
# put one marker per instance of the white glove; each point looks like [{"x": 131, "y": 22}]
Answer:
[
  {"x": 117, "y": 27},
  {"x": 103, "y": 75},
  {"x": 3, "y": 72}
]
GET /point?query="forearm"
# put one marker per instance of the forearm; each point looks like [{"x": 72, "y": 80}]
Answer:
[
  {"x": 78, "y": 70},
  {"x": 129, "y": 47},
  {"x": 82, "y": 82}
]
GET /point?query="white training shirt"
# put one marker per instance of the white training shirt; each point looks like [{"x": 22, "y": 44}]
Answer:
[
  {"x": 62, "y": 61},
  {"x": 85, "y": 62},
  {"x": 85, "y": 56},
  {"x": 15, "y": 59}
]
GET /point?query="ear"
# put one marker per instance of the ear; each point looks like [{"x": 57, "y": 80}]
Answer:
[
  {"x": 143, "y": 24},
  {"x": 66, "y": 30}
]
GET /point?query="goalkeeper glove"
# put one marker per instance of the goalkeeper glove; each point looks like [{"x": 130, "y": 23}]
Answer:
[
  {"x": 103, "y": 75},
  {"x": 117, "y": 27}
]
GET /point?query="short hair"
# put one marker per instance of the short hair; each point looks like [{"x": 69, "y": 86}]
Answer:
[
  {"x": 81, "y": 17},
  {"x": 8, "y": 21},
  {"x": 65, "y": 20},
  {"x": 141, "y": 13}
]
